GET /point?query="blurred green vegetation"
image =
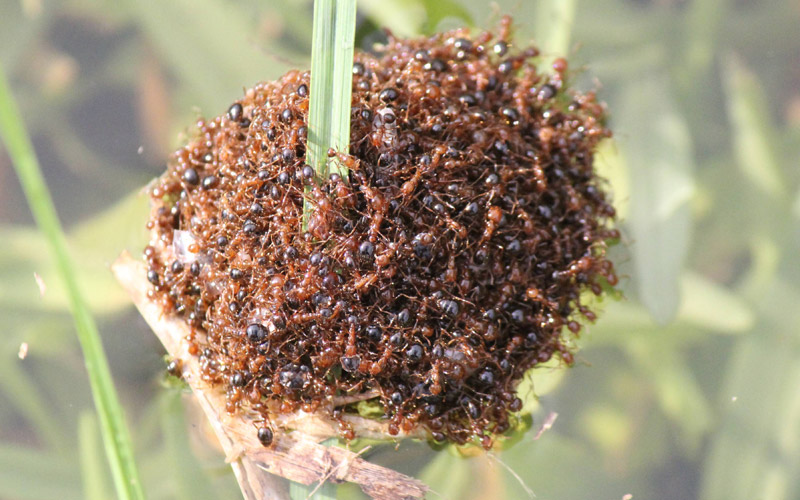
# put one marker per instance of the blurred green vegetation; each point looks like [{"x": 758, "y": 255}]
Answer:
[{"x": 686, "y": 388}]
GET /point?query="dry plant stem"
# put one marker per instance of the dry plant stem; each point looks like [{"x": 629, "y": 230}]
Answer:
[{"x": 294, "y": 455}]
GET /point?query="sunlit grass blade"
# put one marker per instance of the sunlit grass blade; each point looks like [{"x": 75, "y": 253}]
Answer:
[
  {"x": 118, "y": 446},
  {"x": 322, "y": 61},
  {"x": 332, "y": 46},
  {"x": 342, "y": 81}
]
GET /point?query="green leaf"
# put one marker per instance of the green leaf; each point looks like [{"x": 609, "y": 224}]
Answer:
[
  {"x": 333, "y": 42},
  {"x": 371, "y": 408},
  {"x": 115, "y": 432},
  {"x": 705, "y": 308},
  {"x": 656, "y": 143},
  {"x": 753, "y": 136},
  {"x": 105, "y": 234},
  {"x": 96, "y": 243}
]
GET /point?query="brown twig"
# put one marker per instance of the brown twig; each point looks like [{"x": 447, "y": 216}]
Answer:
[{"x": 295, "y": 455}]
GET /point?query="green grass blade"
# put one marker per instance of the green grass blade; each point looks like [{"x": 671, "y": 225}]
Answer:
[
  {"x": 342, "y": 80},
  {"x": 333, "y": 41},
  {"x": 322, "y": 61},
  {"x": 331, "y": 81},
  {"x": 115, "y": 433}
]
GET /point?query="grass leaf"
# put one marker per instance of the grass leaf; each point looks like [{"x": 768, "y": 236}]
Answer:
[
  {"x": 331, "y": 82},
  {"x": 342, "y": 80},
  {"x": 115, "y": 433},
  {"x": 322, "y": 61},
  {"x": 332, "y": 46}
]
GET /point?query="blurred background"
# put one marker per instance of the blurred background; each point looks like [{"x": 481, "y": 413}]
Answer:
[{"x": 687, "y": 387}]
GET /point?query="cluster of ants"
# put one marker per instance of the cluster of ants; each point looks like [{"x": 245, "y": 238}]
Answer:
[{"x": 450, "y": 260}]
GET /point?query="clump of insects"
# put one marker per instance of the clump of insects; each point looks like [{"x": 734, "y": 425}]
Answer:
[{"x": 452, "y": 259}]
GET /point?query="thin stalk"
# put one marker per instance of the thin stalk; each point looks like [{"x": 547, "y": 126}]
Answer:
[
  {"x": 333, "y": 41},
  {"x": 119, "y": 450}
]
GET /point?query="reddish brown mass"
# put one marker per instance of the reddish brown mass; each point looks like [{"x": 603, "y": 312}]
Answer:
[{"x": 438, "y": 273}]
